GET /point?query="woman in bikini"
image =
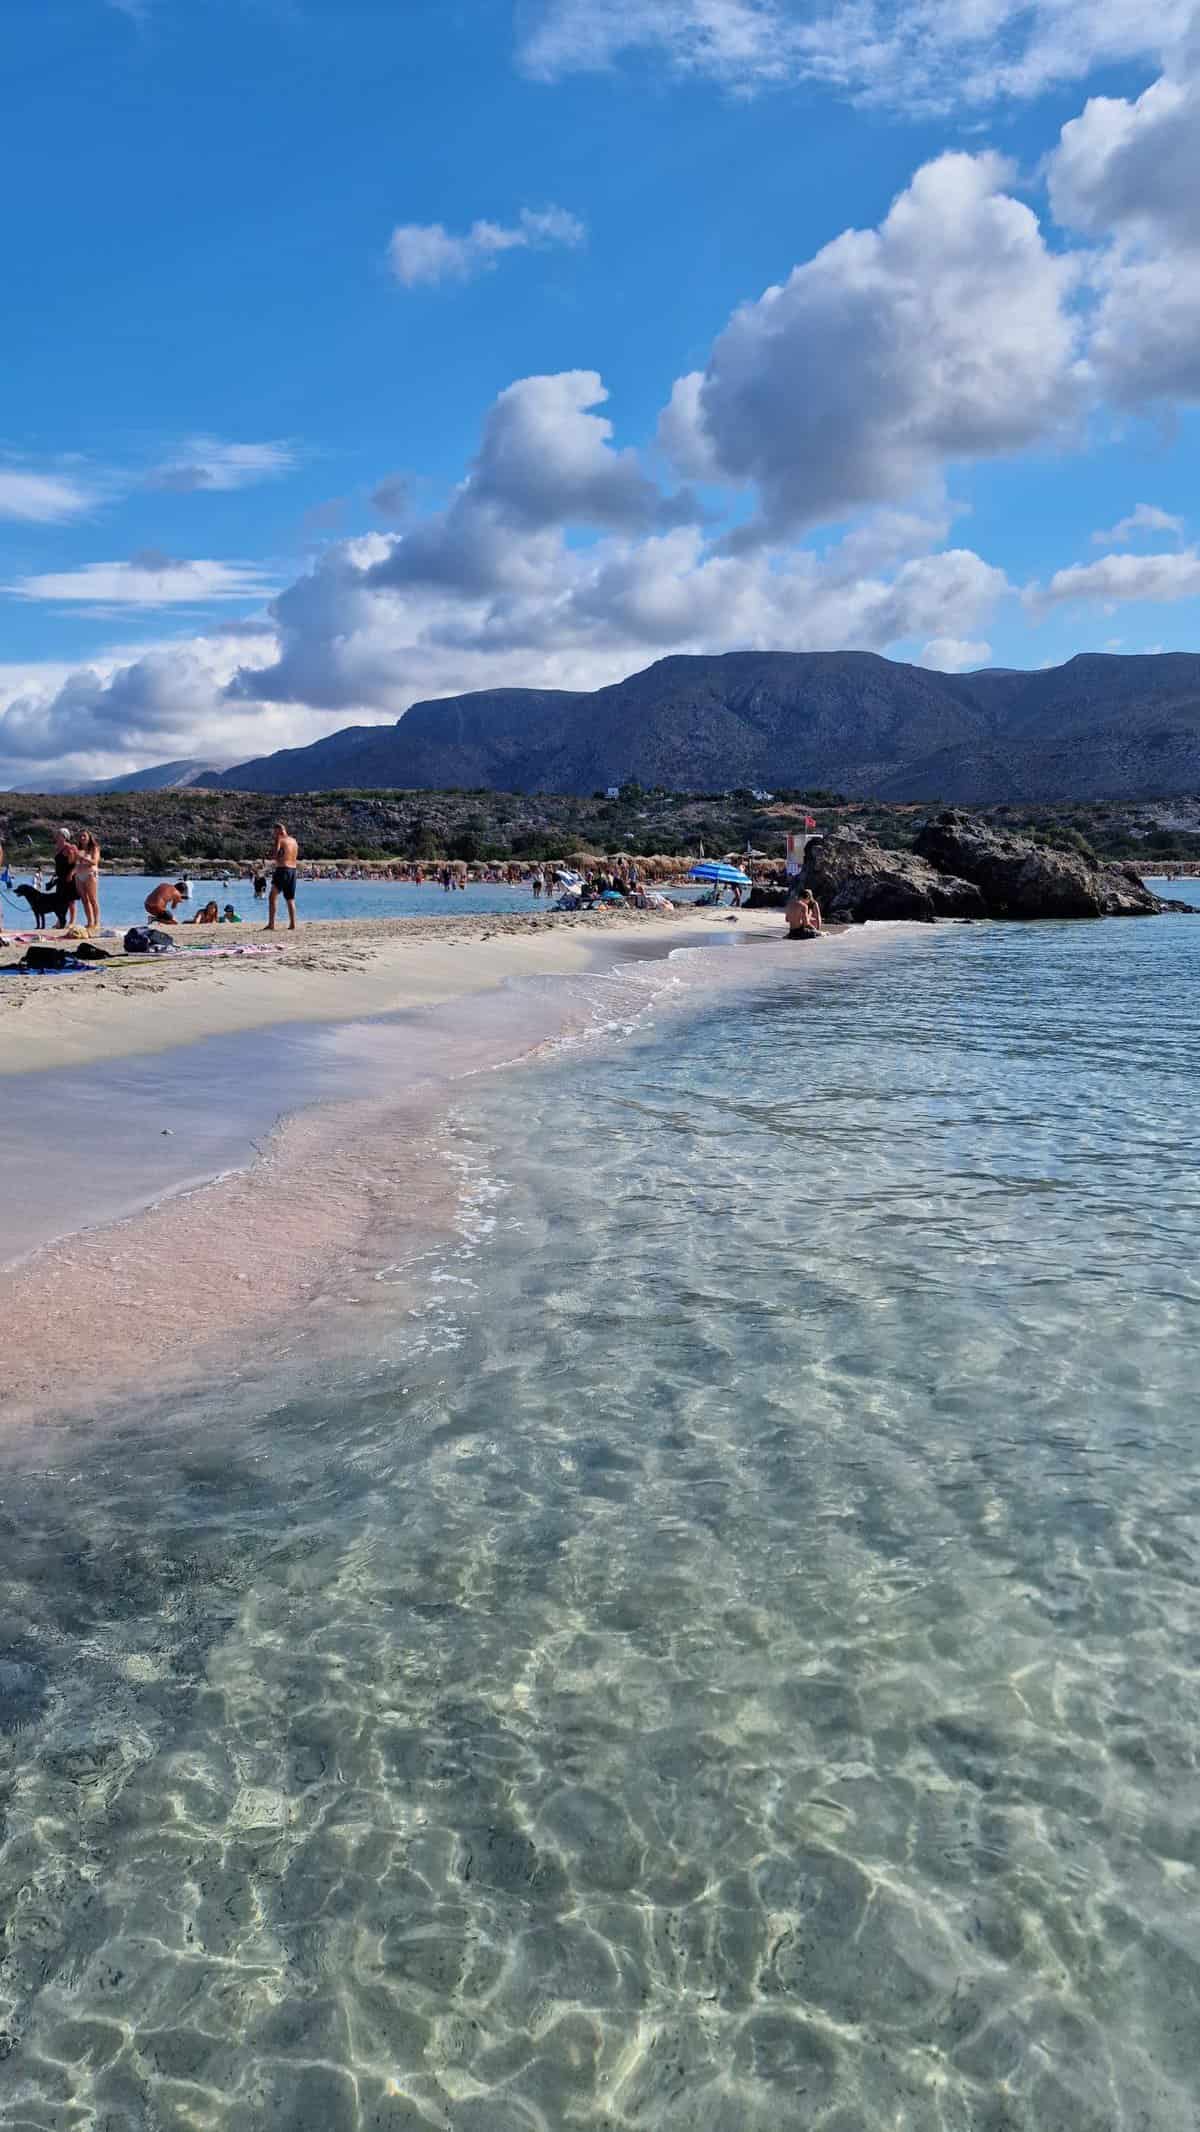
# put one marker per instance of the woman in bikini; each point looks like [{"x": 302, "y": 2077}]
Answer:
[{"x": 87, "y": 877}]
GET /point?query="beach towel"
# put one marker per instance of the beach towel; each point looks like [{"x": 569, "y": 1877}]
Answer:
[{"x": 69, "y": 967}]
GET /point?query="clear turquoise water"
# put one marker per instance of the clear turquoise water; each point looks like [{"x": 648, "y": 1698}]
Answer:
[
  {"x": 726, "y": 1660},
  {"x": 123, "y": 898}
]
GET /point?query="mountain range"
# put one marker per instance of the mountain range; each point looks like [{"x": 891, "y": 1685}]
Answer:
[{"x": 1099, "y": 727}]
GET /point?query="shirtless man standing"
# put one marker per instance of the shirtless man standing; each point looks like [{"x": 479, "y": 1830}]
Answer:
[{"x": 284, "y": 854}]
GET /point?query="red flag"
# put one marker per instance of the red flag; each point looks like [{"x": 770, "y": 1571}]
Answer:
[{"x": 809, "y": 822}]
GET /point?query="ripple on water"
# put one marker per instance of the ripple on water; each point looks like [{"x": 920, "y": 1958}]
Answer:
[{"x": 741, "y": 1676}]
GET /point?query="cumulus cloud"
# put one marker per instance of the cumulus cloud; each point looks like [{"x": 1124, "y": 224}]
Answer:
[
  {"x": 954, "y": 655},
  {"x": 546, "y": 461},
  {"x": 421, "y": 254},
  {"x": 945, "y": 334},
  {"x": 936, "y": 53},
  {"x": 1127, "y": 172},
  {"x": 1144, "y": 518},
  {"x": 1114, "y": 580},
  {"x": 149, "y": 579},
  {"x": 493, "y": 591},
  {"x": 134, "y": 707},
  {"x": 41, "y": 499},
  {"x": 207, "y": 463}
]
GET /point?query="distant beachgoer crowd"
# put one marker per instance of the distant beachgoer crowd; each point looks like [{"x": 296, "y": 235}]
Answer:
[{"x": 74, "y": 891}]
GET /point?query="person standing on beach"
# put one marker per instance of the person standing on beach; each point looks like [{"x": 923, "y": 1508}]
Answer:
[
  {"x": 66, "y": 859},
  {"x": 284, "y": 855},
  {"x": 87, "y": 878}
]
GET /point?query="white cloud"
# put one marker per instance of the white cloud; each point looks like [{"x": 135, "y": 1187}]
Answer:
[
  {"x": 546, "y": 460},
  {"x": 1114, "y": 580},
  {"x": 1132, "y": 168},
  {"x": 133, "y": 706},
  {"x": 954, "y": 655},
  {"x": 1127, "y": 172},
  {"x": 940, "y": 53},
  {"x": 147, "y": 580},
  {"x": 41, "y": 499},
  {"x": 423, "y": 254},
  {"x": 1144, "y": 518},
  {"x": 207, "y": 463},
  {"x": 944, "y": 334}
]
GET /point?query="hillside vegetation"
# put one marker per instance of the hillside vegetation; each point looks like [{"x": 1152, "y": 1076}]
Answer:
[{"x": 157, "y": 832}]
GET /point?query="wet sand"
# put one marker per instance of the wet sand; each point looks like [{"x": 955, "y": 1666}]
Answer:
[{"x": 136, "y": 1260}]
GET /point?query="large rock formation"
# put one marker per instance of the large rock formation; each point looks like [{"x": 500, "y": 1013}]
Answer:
[
  {"x": 962, "y": 868},
  {"x": 854, "y": 878},
  {"x": 1020, "y": 879}
]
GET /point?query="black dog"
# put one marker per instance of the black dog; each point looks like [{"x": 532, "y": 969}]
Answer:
[{"x": 46, "y": 903}]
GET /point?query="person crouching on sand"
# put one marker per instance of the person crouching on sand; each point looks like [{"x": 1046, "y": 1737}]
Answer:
[
  {"x": 162, "y": 901},
  {"x": 284, "y": 854}
]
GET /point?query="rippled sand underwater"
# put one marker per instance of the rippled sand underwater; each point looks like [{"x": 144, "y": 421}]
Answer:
[{"x": 728, "y": 1661}]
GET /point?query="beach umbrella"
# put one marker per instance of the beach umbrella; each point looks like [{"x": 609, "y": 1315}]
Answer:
[{"x": 716, "y": 870}]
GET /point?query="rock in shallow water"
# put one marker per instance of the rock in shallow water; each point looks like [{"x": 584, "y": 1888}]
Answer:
[
  {"x": 855, "y": 878},
  {"x": 1020, "y": 879}
]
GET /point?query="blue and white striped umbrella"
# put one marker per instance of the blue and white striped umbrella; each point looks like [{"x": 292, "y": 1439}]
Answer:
[{"x": 716, "y": 870}]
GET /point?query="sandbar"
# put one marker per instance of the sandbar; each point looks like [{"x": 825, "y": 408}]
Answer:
[{"x": 330, "y": 970}]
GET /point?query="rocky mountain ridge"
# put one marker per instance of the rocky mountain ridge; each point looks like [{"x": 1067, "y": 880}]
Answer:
[{"x": 1100, "y": 727}]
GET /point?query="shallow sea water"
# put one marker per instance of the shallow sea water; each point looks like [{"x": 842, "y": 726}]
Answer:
[
  {"x": 123, "y": 899},
  {"x": 727, "y": 1660}
]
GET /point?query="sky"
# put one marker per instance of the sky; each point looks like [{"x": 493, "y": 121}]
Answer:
[{"x": 362, "y": 351}]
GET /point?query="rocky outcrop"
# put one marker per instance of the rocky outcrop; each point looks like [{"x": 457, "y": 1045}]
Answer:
[
  {"x": 1017, "y": 878},
  {"x": 853, "y": 878}
]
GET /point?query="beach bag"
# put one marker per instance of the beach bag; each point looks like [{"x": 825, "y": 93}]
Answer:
[
  {"x": 87, "y": 951},
  {"x": 144, "y": 940}
]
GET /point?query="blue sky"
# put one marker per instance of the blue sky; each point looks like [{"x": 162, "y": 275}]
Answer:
[{"x": 364, "y": 352}]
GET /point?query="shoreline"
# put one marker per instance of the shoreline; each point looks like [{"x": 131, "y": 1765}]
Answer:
[
  {"x": 329, "y": 970},
  {"x": 287, "y": 1246}
]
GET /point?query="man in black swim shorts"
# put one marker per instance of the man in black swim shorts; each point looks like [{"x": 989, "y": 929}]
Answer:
[{"x": 284, "y": 854}]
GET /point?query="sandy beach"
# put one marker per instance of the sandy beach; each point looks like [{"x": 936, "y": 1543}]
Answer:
[
  {"x": 337, "y": 970},
  {"x": 153, "y": 1288}
]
